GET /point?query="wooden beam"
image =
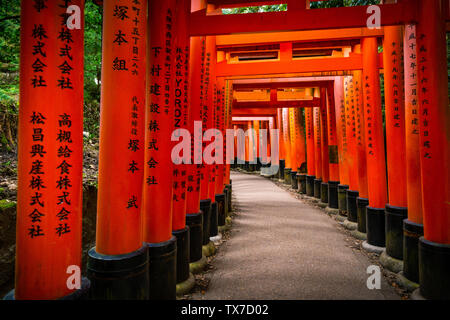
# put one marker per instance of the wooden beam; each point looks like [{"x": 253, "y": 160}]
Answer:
[
  {"x": 276, "y": 85},
  {"x": 354, "y": 62},
  {"x": 296, "y": 36},
  {"x": 277, "y": 104},
  {"x": 297, "y": 19},
  {"x": 245, "y": 112}
]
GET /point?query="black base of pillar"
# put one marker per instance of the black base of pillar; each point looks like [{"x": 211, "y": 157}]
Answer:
[
  {"x": 434, "y": 270},
  {"x": 205, "y": 208},
  {"x": 119, "y": 277},
  {"x": 183, "y": 253},
  {"x": 394, "y": 230},
  {"x": 294, "y": 182},
  {"x": 352, "y": 212},
  {"x": 317, "y": 192},
  {"x": 333, "y": 194},
  {"x": 375, "y": 228},
  {"x": 310, "y": 185},
  {"x": 324, "y": 192},
  {"x": 301, "y": 181},
  {"x": 229, "y": 197},
  {"x": 213, "y": 222},
  {"x": 247, "y": 166},
  {"x": 287, "y": 175},
  {"x": 225, "y": 192},
  {"x": 79, "y": 294},
  {"x": 411, "y": 234},
  {"x": 195, "y": 223},
  {"x": 163, "y": 270},
  {"x": 361, "y": 204},
  {"x": 220, "y": 200},
  {"x": 281, "y": 169},
  {"x": 342, "y": 198}
]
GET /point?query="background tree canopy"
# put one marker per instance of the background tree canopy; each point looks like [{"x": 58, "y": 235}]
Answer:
[{"x": 9, "y": 61}]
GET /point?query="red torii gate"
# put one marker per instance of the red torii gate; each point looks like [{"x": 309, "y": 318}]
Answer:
[{"x": 429, "y": 16}]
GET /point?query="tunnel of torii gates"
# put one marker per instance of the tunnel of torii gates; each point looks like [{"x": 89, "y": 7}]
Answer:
[{"x": 179, "y": 64}]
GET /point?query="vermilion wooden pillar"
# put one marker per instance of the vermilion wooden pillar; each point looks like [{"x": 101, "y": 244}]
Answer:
[
  {"x": 333, "y": 149},
  {"x": 49, "y": 206},
  {"x": 362, "y": 201},
  {"x": 200, "y": 91},
  {"x": 229, "y": 144},
  {"x": 197, "y": 210},
  {"x": 434, "y": 247},
  {"x": 396, "y": 209},
  {"x": 324, "y": 145},
  {"x": 119, "y": 245},
  {"x": 256, "y": 135},
  {"x": 281, "y": 148},
  {"x": 413, "y": 225},
  {"x": 376, "y": 164},
  {"x": 287, "y": 146},
  {"x": 352, "y": 151},
  {"x": 299, "y": 132},
  {"x": 158, "y": 173},
  {"x": 317, "y": 153},
  {"x": 342, "y": 143},
  {"x": 180, "y": 59},
  {"x": 219, "y": 126},
  {"x": 293, "y": 143},
  {"x": 310, "y": 152}
]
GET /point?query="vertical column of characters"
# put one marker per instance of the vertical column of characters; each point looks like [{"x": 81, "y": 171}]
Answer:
[
  {"x": 376, "y": 165},
  {"x": 121, "y": 152},
  {"x": 360, "y": 141},
  {"x": 324, "y": 135},
  {"x": 49, "y": 90},
  {"x": 300, "y": 137},
  {"x": 181, "y": 115},
  {"x": 158, "y": 173},
  {"x": 281, "y": 134},
  {"x": 196, "y": 74},
  {"x": 318, "y": 143},
  {"x": 286, "y": 138},
  {"x": 341, "y": 129},
  {"x": 205, "y": 115},
  {"x": 412, "y": 126},
  {"x": 434, "y": 117},
  {"x": 228, "y": 98},
  {"x": 395, "y": 115},
  {"x": 332, "y": 134},
  {"x": 350, "y": 127},
  {"x": 292, "y": 139},
  {"x": 220, "y": 126},
  {"x": 310, "y": 152}
]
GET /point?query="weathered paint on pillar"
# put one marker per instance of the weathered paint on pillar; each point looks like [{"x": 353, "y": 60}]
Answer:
[
  {"x": 50, "y": 151},
  {"x": 395, "y": 115},
  {"x": 158, "y": 182},
  {"x": 317, "y": 143},
  {"x": 310, "y": 145},
  {"x": 341, "y": 129},
  {"x": 350, "y": 127},
  {"x": 376, "y": 164},
  {"x": 412, "y": 126},
  {"x": 434, "y": 121},
  {"x": 324, "y": 135}
]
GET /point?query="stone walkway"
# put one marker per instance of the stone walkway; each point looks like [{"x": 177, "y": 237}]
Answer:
[{"x": 283, "y": 248}]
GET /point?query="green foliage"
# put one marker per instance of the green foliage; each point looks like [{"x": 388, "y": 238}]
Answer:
[{"x": 92, "y": 67}]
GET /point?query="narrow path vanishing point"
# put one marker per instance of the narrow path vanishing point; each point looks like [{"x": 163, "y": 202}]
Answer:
[{"x": 283, "y": 248}]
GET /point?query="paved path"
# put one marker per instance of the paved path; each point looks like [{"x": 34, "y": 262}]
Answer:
[{"x": 283, "y": 248}]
